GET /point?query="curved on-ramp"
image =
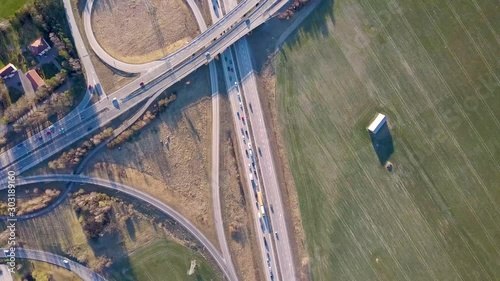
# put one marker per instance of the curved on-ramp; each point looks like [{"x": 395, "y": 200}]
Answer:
[
  {"x": 82, "y": 271},
  {"x": 120, "y": 65},
  {"x": 230, "y": 274}
]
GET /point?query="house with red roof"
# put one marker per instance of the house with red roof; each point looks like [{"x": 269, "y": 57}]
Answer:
[
  {"x": 39, "y": 47},
  {"x": 35, "y": 79},
  {"x": 8, "y": 71}
]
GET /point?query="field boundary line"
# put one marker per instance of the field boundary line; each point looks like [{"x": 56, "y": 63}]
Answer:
[
  {"x": 471, "y": 39},
  {"x": 478, "y": 8},
  {"x": 426, "y": 96}
]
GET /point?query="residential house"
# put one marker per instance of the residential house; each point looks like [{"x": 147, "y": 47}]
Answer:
[
  {"x": 39, "y": 47},
  {"x": 8, "y": 71},
  {"x": 35, "y": 79}
]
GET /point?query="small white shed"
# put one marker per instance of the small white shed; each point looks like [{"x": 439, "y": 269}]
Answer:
[{"x": 377, "y": 123}]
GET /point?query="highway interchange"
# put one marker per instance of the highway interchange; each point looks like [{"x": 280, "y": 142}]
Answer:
[{"x": 158, "y": 76}]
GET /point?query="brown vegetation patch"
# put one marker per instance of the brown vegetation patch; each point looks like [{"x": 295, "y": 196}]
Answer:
[
  {"x": 139, "y": 31},
  {"x": 169, "y": 159},
  {"x": 28, "y": 205}
]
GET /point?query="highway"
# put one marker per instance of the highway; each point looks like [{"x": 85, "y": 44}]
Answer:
[
  {"x": 82, "y": 125},
  {"x": 236, "y": 97},
  {"x": 265, "y": 161},
  {"x": 82, "y": 271},
  {"x": 131, "y": 191},
  {"x": 203, "y": 40}
]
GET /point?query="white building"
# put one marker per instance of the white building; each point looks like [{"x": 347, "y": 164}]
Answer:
[{"x": 377, "y": 123}]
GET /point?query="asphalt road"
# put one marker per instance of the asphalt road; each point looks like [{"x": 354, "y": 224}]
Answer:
[
  {"x": 128, "y": 96},
  {"x": 215, "y": 31},
  {"x": 265, "y": 161},
  {"x": 80, "y": 270},
  {"x": 169, "y": 211}
]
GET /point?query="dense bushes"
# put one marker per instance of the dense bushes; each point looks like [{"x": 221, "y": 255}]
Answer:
[
  {"x": 296, "y": 5},
  {"x": 141, "y": 123},
  {"x": 73, "y": 157},
  {"x": 93, "y": 211}
]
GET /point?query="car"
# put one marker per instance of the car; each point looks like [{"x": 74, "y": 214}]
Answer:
[
  {"x": 271, "y": 275},
  {"x": 246, "y": 133},
  {"x": 254, "y": 171},
  {"x": 238, "y": 115},
  {"x": 244, "y": 140},
  {"x": 90, "y": 87},
  {"x": 250, "y": 106},
  {"x": 257, "y": 204},
  {"x": 242, "y": 132},
  {"x": 260, "y": 152},
  {"x": 65, "y": 261},
  {"x": 61, "y": 130},
  {"x": 248, "y": 22},
  {"x": 276, "y": 235},
  {"x": 40, "y": 138},
  {"x": 241, "y": 106},
  {"x": 239, "y": 98},
  {"x": 243, "y": 119},
  {"x": 115, "y": 103},
  {"x": 89, "y": 128},
  {"x": 230, "y": 62},
  {"x": 225, "y": 58},
  {"x": 232, "y": 69},
  {"x": 265, "y": 243},
  {"x": 207, "y": 54},
  {"x": 250, "y": 167},
  {"x": 228, "y": 68},
  {"x": 246, "y": 152},
  {"x": 271, "y": 207},
  {"x": 48, "y": 133},
  {"x": 142, "y": 84},
  {"x": 52, "y": 128},
  {"x": 250, "y": 146}
]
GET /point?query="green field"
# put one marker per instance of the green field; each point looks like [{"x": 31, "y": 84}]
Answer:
[
  {"x": 9, "y": 7},
  {"x": 433, "y": 67},
  {"x": 162, "y": 260}
]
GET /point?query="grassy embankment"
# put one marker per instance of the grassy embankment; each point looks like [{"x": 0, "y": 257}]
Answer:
[
  {"x": 9, "y": 7},
  {"x": 432, "y": 67},
  {"x": 163, "y": 260}
]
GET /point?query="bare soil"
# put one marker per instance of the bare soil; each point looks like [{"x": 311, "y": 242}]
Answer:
[
  {"x": 237, "y": 217},
  {"x": 169, "y": 159},
  {"x": 138, "y": 31}
]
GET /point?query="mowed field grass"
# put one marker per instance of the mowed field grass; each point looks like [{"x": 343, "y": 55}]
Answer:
[
  {"x": 9, "y": 7},
  {"x": 431, "y": 66},
  {"x": 163, "y": 260}
]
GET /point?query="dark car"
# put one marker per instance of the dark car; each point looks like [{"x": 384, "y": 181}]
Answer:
[
  {"x": 90, "y": 87},
  {"x": 246, "y": 133},
  {"x": 246, "y": 152},
  {"x": 142, "y": 84},
  {"x": 260, "y": 152},
  {"x": 276, "y": 234},
  {"x": 272, "y": 209},
  {"x": 250, "y": 106},
  {"x": 40, "y": 138},
  {"x": 48, "y": 133},
  {"x": 20, "y": 145},
  {"x": 89, "y": 128},
  {"x": 265, "y": 243}
]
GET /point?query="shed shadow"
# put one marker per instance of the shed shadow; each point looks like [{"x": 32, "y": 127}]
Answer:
[{"x": 383, "y": 144}]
